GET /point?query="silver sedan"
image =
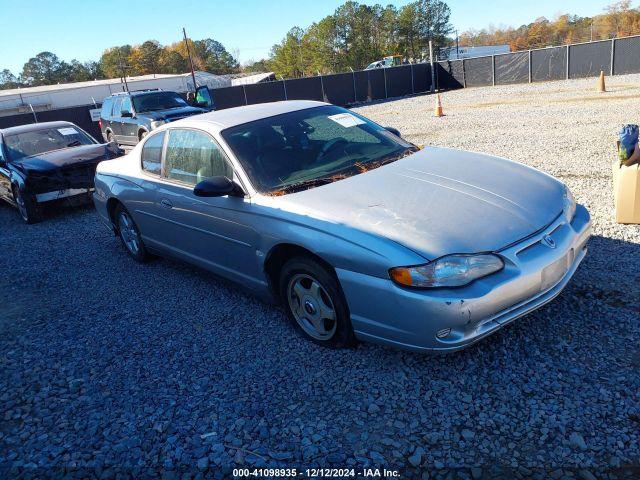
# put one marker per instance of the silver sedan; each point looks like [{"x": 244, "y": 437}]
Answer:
[{"x": 358, "y": 233}]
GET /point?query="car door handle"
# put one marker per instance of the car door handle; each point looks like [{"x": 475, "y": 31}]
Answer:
[{"x": 166, "y": 203}]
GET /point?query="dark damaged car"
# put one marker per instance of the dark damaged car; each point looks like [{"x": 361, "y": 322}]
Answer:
[{"x": 45, "y": 162}]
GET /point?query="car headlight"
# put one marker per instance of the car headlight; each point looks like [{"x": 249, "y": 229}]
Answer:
[
  {"x": 449, "y": 271},
  {"x": 157, "y": 123},
  {"x": 568, "y": 204}
]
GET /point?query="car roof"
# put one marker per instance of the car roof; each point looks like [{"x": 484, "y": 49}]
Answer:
[
  {"x": 137, "y": 93},
  {"x": 33, "y": 127},
  {"x": 230, "y": 117}
]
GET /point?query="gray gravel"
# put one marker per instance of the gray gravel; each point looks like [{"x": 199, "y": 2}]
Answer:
[{"x": 164, "y": 369}]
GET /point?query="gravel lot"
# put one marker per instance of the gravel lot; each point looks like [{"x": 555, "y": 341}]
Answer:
[{"x": 107, "y": 365}]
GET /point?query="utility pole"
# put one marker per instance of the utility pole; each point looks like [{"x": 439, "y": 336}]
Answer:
[
  {"x": 123, "y": 71},
  {"x": 457, "y": 46},
  {"x": 193, "y": 73}
]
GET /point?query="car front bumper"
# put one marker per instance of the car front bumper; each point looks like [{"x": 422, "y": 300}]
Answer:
[
  {"x": 534, "y": 274},
  {"x": 63, "y": 193}
]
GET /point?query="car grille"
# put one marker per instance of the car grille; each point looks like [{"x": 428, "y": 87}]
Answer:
[{"x": 74, "y": 173}]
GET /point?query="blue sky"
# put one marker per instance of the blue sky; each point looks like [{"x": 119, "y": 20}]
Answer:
[{"x": 83, "y": 29}]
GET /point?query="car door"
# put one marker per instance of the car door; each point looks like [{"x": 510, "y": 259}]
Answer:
[
  {"x": 5, "y": 181},
  {"x": 128, "y": 124},
  {"x": 212, "y": 232},
  {"x": 141, "y": 201}
]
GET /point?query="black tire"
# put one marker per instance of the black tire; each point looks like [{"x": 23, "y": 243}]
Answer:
[
  {"x": 109, "y": 137},
  {"x": 299, "y": 270},
  {"x": 138, "y": 252},
  {"x": 27, "y": 206},
  {"x": 142, "y": 134}
]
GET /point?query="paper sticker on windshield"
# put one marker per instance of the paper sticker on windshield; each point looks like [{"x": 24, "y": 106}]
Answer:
[
  {"x": 68, "y": 131},
  {"x": 346, "y": 120}
]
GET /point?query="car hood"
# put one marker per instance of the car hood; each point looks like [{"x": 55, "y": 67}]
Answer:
[
  {"x": 174, "y": 113},
  {"x": 56, "y": 159},
  {"x": 439, "y": 201}
]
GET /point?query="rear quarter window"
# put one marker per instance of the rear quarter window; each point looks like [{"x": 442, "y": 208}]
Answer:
[
  {"x": 117, "y": 106},
  {"x": 107, "y": 106},
  {"x": 152, "y": 154}
]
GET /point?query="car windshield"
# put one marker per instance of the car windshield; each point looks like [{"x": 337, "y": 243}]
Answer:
[
  {"x": 36, "y": 142},
  {"x": 151, "y": 102},
  {"x": 306, "y": 148}
]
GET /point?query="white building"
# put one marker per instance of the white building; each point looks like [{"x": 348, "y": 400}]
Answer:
[{"x": 54, "y": 97}]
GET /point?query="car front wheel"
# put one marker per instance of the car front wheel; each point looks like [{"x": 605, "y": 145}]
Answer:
[
  {"x": 315, "y": 304},
  {"x": 130, "y": 235},
  {"x": 27, "y": 206}
]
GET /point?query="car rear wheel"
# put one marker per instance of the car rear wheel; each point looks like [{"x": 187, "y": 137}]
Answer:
[
  {"x": 27, "y": 206},
  {"x": 109, "y": 137},
  {"x": 315, "y": 303},
  {"x": 130, "y": 235},
  {"x": 142, "y": 134}
]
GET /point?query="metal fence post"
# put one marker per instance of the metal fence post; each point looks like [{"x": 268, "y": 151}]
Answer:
[
  {"x": 384, "y": 71},
  {"x": 433, "y": 78},
  {"x": 355, "y": 94},
  {"x": 324, "y": 95},
  {"x": 244, "y": 90},
  {"x": 284, "y": 87},
  {"x": 413, "y": 88},
  {"x": 493, "y": 70},
  {"x": 35, "y": 117},
  {"x": 613, "y": 54},
  {"x": 530, "y": 75},
  {"x": 568, "y": 60},
  {"x": 464, "y": 75}
]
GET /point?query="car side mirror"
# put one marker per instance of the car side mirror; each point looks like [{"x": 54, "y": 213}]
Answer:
[
  {"x": 203, "y": 97},
  {"x": 126, "y": 114},
  {"x": 218, "y": 187},
  {"x": 395, "y": 131}
]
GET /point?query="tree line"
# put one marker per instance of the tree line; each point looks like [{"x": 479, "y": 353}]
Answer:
[
  {"x": 356, "y": 35},
  {"x": 150, "y": 57},
  {"x": 619, "y": 20}
]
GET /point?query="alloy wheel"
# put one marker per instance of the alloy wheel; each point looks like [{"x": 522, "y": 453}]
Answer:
[
  {"x": 311, "y": 306},
  {"x": 129, "y": 233}
]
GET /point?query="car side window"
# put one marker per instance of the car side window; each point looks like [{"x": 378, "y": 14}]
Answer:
[
  {"x": 107, "y": 107},
  {"x": 117, "y": 107},
  {"x": 152, "y": 154},
  {"x": 126, "y": 105},
  {"x": 192, "y": 156}
]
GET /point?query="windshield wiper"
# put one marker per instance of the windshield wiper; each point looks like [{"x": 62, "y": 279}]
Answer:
[
  {"x": 340, "y": 174},
  {"x": 305, "y": 184}
]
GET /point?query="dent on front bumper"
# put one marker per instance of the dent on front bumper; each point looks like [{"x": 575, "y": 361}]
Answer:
[{"x": 534, "y": 274}]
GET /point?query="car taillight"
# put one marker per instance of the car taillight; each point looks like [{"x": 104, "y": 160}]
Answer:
[{"x": 100, "y": 124}]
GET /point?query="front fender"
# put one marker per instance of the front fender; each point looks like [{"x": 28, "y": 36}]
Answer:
[
  {"x": 341, "y": 246},
  {"x": 18, "y": 178}
]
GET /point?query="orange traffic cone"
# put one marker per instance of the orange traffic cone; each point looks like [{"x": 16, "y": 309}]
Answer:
[
  {"x": 601, "y": 87},
  {"x": 438, "y": 110}
]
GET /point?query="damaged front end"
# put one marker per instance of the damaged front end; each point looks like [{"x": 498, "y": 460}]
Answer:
[
  {"x": 65, "y": 174},
  {"x": 64, "y": 182}
]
